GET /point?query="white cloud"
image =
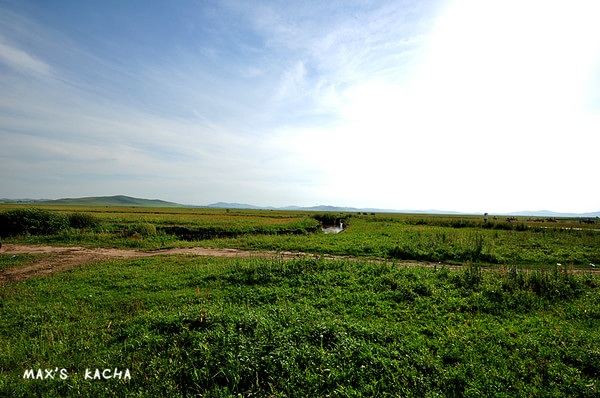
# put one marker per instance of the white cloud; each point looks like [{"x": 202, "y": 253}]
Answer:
[
  {"x": 21, "y": 61},
  {"x": 292, "y": 83}
]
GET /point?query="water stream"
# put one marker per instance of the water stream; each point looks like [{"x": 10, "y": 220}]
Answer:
[{"x": 333, "y": 229}]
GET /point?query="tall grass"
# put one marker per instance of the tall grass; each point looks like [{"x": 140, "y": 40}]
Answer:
[{"x": 188, "y": 326}]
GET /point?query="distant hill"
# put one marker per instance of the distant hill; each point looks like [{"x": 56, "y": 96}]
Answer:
[
  {"x": 118, "y": 200},
  {"x": 6, "y": 201},
  {"x": 541, "y": 213},
  {"x": 548, "y": 213},
  {"x": 121, "y": 200},
  {"x": 224, "y": 205}
]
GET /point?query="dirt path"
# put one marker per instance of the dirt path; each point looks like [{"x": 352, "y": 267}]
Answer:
[
  {"x": 60, "y": 258},
  {"x": 57, "y": 258}
]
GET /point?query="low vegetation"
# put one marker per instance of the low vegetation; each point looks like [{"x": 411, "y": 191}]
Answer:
[
  {"x": 143, "y": 229},
  {"x": 446, "y": 239},
  {"x": 224, "y": 327},
  {"x": 397, "y": 238},
  {"x": 219, "y": 327},
  {"x": 81, "y": 220},
  {"x": 32, "y": 221}
]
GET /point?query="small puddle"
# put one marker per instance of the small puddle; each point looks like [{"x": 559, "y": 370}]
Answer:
[
  {"x": 333, "y": 229},
  {"x": 574, "y": 229}
]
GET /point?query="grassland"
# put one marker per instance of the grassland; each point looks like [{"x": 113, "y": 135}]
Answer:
[
  {"x": 260, "y": 327},
  {"x": 445, "y": 239}
]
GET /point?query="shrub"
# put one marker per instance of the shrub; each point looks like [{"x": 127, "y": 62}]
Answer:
[
  {"x": 141, "y": 229},
  {"x": 83, "y": 220},
  {"x": 330, "y": 218},
  {"x": 31, "y": 221}
]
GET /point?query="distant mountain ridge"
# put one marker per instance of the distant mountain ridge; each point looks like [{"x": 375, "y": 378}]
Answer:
[
  {"x": 548, "y": 213},
  {"x": 122, "y": 200},
  {"x": 540, "y": 213},
  {"x": 117, "y": 200}
]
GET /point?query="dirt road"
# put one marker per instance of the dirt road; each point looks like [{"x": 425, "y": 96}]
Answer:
[
  {"x": 57, "y": 258},
  {"x": 60, "y": 258}
]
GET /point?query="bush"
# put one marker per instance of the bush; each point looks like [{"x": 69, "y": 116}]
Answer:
[
  {"x": 31, "y": 222},
  {"x": 330, "y": 218},
  {"x": 83, "y": 220},
  {"x": 141, "y": 229}
]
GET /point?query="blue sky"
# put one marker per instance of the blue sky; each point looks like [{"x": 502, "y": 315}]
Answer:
[{"x": 445, "y": 104}]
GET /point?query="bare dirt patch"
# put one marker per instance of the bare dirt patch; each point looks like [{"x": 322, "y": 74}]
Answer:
[{"x": 61, "y": 258}]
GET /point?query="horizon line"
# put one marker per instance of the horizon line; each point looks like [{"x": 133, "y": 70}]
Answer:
[{"x": 223, "y": 205}]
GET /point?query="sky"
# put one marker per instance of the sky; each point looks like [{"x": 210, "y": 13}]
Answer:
[{"x": 464, "y": 105}]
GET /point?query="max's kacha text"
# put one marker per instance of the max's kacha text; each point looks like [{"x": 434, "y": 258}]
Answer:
[{"x": 90, "y": 374}]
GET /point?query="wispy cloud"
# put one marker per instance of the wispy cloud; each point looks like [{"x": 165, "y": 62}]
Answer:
[{"x": 21, "y": 61}]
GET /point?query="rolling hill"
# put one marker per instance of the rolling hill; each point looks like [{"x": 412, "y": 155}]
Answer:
[{"x": 118, "y": 200}]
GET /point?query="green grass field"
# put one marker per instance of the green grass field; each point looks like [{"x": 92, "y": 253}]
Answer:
[
  {"x": 446, "y": 239},
  {"x": 261, "y": 327}
]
